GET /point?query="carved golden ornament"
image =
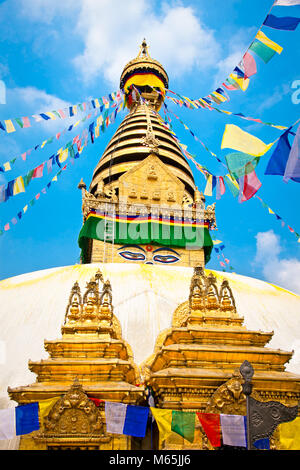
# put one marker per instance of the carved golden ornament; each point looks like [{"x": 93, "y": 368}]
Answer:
[
  {"x": 227, "y": 301},
  {"x": 181, "y": 315},
  {"x": 73, "y": 415}
]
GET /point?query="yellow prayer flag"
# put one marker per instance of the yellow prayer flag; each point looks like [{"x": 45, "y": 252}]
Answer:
[
  {"x": 233, "y": 181},
  {"x": 289, "y": 435},
  {"x": 25, "y": 208},
  {"x": 163, "y": 420},
  {"x": 63, "y": 155},
  {"x": 19, "y": 186},
  {"x": 208, "y": 187},
  {"x": 6, "y": 166},
  {"x": 54, "y": 178},
  {"x": 97, "y": 103},
  {"x": 45, "y": 407},
  {"x": 219, "y": 96},
  {"x": 9, "y": 126},
  {"x": 265, "y": 40},
  {"x": 270, "y": 211},
  {"x": 242, "y": 82},
  {"x": 51, "y": 115},
  {"x": 237, "y": 139}
]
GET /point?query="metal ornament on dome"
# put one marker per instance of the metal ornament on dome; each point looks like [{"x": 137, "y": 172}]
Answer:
[{"x": 142, "y": 76}]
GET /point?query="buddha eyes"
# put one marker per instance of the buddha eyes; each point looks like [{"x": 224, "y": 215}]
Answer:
[
  {"x": 157, "y": 258},
  {"x": 130, "y": 255},
  {"x": 165, "y": 258}
]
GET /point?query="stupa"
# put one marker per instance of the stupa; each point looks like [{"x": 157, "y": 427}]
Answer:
[{"x": 152, "y": 315}]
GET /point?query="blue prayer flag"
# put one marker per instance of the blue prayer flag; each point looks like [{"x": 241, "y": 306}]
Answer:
[
  {"x": 27, "y": 418},
  {"x": 262, "y": 444},
  {"x": 288, "y": 23},
  {"x": 136, "y": 421}
]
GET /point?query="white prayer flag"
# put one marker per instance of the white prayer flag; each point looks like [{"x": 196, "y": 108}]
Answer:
[
  {"x": 286, "y": 3},
  {"x": 7, "y": 424},
  {"x": 233, "y": 430}
]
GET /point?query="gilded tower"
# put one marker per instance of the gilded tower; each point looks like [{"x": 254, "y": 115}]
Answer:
[{"x": 142, "y": 204}]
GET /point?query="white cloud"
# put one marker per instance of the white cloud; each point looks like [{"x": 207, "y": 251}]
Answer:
[
  {"x": 44, "y": 11},
  {"x": 279, "y": 93},
  {"x": 112, "y": 32},
  {"x": 236, "y": 47},
  {"x": 284, "y": 272},
  {"x": 31, "y": 100}
]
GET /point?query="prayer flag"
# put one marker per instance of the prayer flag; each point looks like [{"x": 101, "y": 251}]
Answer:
[
  {"x": 6, "y": 166},
  {"x": 173, "y": 421},
  {"x": 26, "y": 122},
  {"x": 263, "y": 51},
  {"x": 19, "y": 420},
  {"x": 45, "y": 407},
  {"x": 183, "y": 423},
  {"x": 237, "y": 163},
  {"x": 279, "y": 157},
  {"x": 237, "y": 139},
  {"x": 233, "y": 185},
  {"x": 286, "y": 3},
  {"x": 19, "y": 186},
  {"x": 289, "y": 435},
  {"x": 208, "y": 187},
  {"x": 288, "y": 23},
  {"x": 292, "y": 169},
  {"x": 242, "y": 82},
  {"x": 63, "y": 155},
  {"x": 249, "y": 65},
  {"x": 9, "y": 126},
  {"x": 163, "y": 420},
  {"x": 265, "y": 40},
  {"x": 250, "y": 186},
  {"x": 262, "y": 444},
  {"x": 38, "y": 171},
  {"x": 126, "y": 419},
  {"x": 212, "y": 427},
  {"x": 233, "y": 430}
]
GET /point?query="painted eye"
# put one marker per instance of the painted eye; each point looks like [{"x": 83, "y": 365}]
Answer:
[
  {"x": 131, "y": 256},
  {"x": 165, "y": 258}
]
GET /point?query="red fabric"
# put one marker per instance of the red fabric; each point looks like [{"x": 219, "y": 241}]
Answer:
[
  {"x": 97, "y": 401},
  {"x": 212, "y": 427},
  {"x": 249, "y": 65},
  {"x": 38, "y": 172},
  {"x": 251, "y": 186},
  {"x": 222, "y": 185}
]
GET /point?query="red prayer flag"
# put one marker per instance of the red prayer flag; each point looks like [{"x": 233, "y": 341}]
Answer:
[
  {"x": 97, "y": 401},
  {"x": 212, "y": 427},
  {"x": 251, "y": 185},
  {"x": 38, "y": 171},
  {"x": 26, "y": 122},
  {"x": 222, "y": 185},
  {"x": 249, "y": 65}
]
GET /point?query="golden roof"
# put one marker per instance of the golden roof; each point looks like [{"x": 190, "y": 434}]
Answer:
[
  {"x": 126, "y": 149},
  {"x": 144, "y": 61}
]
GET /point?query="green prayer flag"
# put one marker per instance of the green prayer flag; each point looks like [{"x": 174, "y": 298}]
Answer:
[
  {"x": 27, "y": 178},
  {"x": 237, "y": 163},
  {"x": 263, "y": 51},
  {"x": 20, "y": 122},
  {"x": 183, "y": 423}
]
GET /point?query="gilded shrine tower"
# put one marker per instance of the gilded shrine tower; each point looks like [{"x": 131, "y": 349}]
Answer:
[{"x": 142, "y": 205}]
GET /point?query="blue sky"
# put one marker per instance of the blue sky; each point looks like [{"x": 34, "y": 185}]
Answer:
[{"x": 55, "y": 53}]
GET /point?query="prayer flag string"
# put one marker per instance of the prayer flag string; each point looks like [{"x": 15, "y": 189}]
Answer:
[{"x": 10, "y": 125}]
